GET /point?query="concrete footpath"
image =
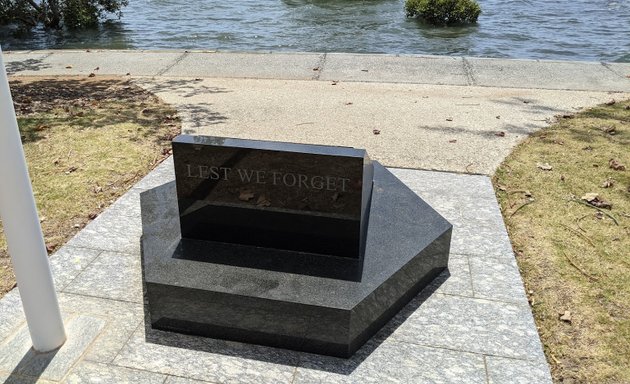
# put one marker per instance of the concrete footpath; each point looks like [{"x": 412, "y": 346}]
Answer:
[
  {"x": 455, "y": 114},
  {"x": 472, "y": 325}
]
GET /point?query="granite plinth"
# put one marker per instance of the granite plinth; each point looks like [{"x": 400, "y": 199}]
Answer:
[
  {"x": 407, "y": 245},
  {"x": 297, "y": 197}
]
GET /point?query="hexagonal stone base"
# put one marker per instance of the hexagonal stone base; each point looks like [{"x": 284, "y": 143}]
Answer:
[{"x": 407, "y": 247}]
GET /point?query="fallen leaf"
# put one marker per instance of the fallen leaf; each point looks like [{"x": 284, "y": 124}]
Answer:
[
  {"x": 128, "y": 74},
  {"x": 349, "y": 103},
  {"x": 452, "y": 141},
  {"x": 364, "y": 70},
  {"x": 97, "y": 68},
  {"x": 316, "y": 69},
  {"x": 77, "y": 226},
  {"x": 611, "y": 102},
  {"x": 590, "y": 197},
  {"x": 594, "y": 200},
  {"x": 599, "y": 215},
  {"x": 611, "y": 130},
  {"x": 498, "y": 116},
  {"x": 68, "y": 66},
  {"x": 92, "y": 74},
  {"x": 449, "y": 119},
  {"x": 544, "y": 166},
  {"x": 70, "y": 170},
  {"x": 566, "y": 317},
  {"x": 376, "y": 131},
  {"x": 608, "y": 183},
  {"x": 616, "y": 165},
  {"x": 50, "y": 247},
  {"x": 263, "y": 201},
  {"x": 334, "y": 82},
  {"x": 92, "y": 216},
  {"x": 501, "y": 188},
  {"x": 246, "y": 195},
  {"x": 500, "y": 134}
]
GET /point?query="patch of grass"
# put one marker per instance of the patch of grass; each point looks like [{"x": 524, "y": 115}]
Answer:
[
  {"x": 86, "y": 142},
  {"x": 574, "y": 257}
]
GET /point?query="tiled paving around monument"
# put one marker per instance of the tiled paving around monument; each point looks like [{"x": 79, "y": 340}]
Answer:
[{"x": 472, "y": 325}]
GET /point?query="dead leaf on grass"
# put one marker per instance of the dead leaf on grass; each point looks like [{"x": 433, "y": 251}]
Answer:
[
  {"x": 616, "y": 165},
  {"x": 70, "y": 170},
  {"x": 500, "y": 134},
  {"x": 544, "y": 166},
  {"x": 92, "y": 74},
  {"x": 611, "y": 102},
  {"x": 594, "y": 200},
  {"x": 566, "y": 317},
  {"x": 608, "y": 183},
  {"x": 611, "y": 130}
]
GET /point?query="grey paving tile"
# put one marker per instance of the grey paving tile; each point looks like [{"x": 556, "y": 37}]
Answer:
[
  {"x": 512, "y": 371},
  {"x": 392, "y": 362},
  {"x": 11, "y": 314},
  {"x": 19, "y": 63},
  {"x": 497, "y": 280},
  {"x": 68, "y": 262},
  {"x": 206, "y": 359},
  {"x": 621, "y": 69},
  {"x": 546, "y": 75},
  {"x": 128, "y": 204},
  {"x": 111, "y": 275},
  {"x": 471, "y": 325},
  {"x": 89, "y": 372},
  {"x": 482, "y": 239},
  {"x": 396, "y": 69},
  {"x": 162, "y": 174},
  {"x": 122, "y": 319},
  {"x": 110, "y": 232},
  {"x": 455, "y": 281},
  {"x": 108, "y": 62},
  {"x": 297, "y": 66},
  {"x": 17, "y": 355},
  {"x": 183, "y": 380},
  {"x": 446, "y": 184},
  {"x": 8, "y": 378}
]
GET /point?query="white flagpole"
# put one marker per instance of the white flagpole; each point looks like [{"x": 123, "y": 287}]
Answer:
[{"x": 24, "y": 234}]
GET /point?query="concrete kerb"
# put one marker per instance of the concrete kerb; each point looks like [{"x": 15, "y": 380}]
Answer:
[{"x": 407, "y": 69}]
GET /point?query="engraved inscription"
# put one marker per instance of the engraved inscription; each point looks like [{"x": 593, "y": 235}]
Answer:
[{"x": 257, "y": 176}]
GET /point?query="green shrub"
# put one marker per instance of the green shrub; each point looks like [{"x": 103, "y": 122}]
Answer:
[
  {"x": 444, "y": 12},
  {"x": 55, "y": 14}
]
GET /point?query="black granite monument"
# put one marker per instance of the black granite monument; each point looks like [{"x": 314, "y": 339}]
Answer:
[{"x": 297, "y": 246}]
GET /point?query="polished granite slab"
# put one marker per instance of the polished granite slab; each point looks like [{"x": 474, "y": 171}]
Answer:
[{"x": 407, "y": 247}]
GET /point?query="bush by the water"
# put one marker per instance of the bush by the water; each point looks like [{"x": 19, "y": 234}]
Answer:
[
  {"x": 444, "y": 12},
  {"x": 56, "y": 14}
]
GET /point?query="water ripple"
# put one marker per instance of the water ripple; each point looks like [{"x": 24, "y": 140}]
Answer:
[{"x": 562, "y": 29}]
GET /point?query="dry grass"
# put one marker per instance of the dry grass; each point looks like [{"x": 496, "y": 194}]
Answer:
[
  {"x": 86, "y": 142},
  {"x": 573, "y": 256}
]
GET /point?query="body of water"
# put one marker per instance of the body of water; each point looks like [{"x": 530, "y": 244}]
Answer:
[{"x": 594, "y": 30}]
